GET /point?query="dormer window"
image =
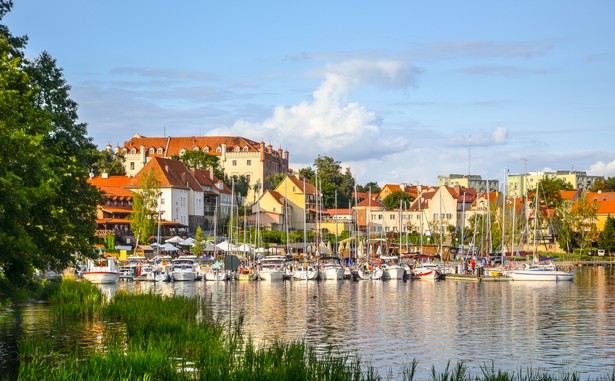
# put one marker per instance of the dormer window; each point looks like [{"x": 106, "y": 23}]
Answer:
[
  {"x": 206, "y": 149},
  {"x": 236, "y": 149},
  {"x": 151, "y": 151},
  {"x": 133, "y": 151},
  {"x": 196, "y": 148},
  {"x": 160, "y": 151},
  {"x": 219, "y": 149},
  {"x": 245, "y": 149}
]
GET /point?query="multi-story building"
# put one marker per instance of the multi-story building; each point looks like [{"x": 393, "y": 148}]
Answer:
[
  {"x": 238, "y": 156},
  {"x": 522, "y": 183},
  {"x": 468, "y": 181}
]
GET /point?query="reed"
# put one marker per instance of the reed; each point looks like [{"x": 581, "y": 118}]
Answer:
[{"x": 76, "y": 298}]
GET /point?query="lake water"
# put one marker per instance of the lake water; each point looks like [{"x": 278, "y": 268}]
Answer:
[{"x": 514, "y": 325}]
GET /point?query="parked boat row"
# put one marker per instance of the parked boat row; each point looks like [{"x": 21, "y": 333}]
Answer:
[{"x": 277, "y": 267}]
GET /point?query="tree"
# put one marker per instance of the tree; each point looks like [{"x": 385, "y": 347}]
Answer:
[
  {"x": 563, "y": 224},
  {"x": 549, "y": 192},
  {"x": 47, "y": 207},
  {"x": 201, "y": 160},
  {"x": 602, "y": 185},
  {"x": 394, "y": 200},
  {"x": 275, "y": 180},
  {"x": 370, "y": 186},
  {"x": 606, "y": 239},
  {"x": 110, "y": 163},
  {"x": 198, "y": 246},
  {"x": 142, "y": 219},
  {"x": 330, "y": 180},
  {"x": 584, "y": 217}
]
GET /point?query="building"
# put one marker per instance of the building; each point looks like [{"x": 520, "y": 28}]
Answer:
[
  {"x": 522, "y": 183},
  {"x": 238, "y": 156},
  {"x": 468, "y": 181}
]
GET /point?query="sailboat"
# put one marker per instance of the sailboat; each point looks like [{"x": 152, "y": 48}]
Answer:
[{"x": 537, "y": 271}]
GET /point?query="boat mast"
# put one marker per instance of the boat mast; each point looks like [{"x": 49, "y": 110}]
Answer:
[
  {"x": 304, "y": 221},
  {"x": 504, "y": 213}
]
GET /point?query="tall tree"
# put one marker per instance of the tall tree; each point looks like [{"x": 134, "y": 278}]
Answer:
[
  {"x": 47, "y": 208},
  {"x": 331, "y": 179},
  {"x": 584, "y": 213},
  {"x": 604, "y": 185},
  {"x": 606, "y": 239},
  {"x": 372, "y": 185},
  {"x": 143, "y": 217},
  {"x": 201, "y": 160}
]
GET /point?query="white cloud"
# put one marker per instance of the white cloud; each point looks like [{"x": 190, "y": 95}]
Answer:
[
  {"x": 330, "y": 125},
  {"x": 602, "y": 169}
]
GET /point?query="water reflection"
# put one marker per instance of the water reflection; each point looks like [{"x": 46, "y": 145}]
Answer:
[{"x": 555, "y": 326}]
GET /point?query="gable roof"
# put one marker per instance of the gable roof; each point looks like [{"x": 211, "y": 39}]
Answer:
[
  {"x": 173, "y": 145},
  {"x": 298, "y": 182},
  {"x": 171, "y": 174},
  {"x": 112, "y": 186}
]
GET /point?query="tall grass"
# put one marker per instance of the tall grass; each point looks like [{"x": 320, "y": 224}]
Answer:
[{"x": 76, "y": 298}]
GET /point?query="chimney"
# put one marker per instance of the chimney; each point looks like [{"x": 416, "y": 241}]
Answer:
[
  {"x": 105, "y": 175},
  {"x": 211, "y": 173}
]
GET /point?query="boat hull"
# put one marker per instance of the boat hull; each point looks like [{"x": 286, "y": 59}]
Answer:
[
  {"x": 372, "y": 274},
  {"x": 543, "y": 276},
  {"x": 271, "y": 276},
  {"x": 427, "y": 274},
  {"x": 333, "y": 273},
  {"x": 182, "y": 276},
  {"x": 393, "y": 272},
  {"x": 101, "y": 277},
  {"x": 305, "y": 274}
]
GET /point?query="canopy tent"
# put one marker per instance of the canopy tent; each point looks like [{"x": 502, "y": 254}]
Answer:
[
  {"x": 188, "y": 242},
  {"x": 244, "y": 248},
  {"x": 175, "y": 239},
  {"x": 169, "y": 247},
  {"x": 209, "y": 246},
  {"x": 226, "y": 246}
]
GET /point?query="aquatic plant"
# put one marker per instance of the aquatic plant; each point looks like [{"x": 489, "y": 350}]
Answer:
[{"x": 76, "y": 298}]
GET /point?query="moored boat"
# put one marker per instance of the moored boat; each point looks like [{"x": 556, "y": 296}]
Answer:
[
  {"x": 101, "y": 271},
  {"x": 331, "y": 268},
  {"x": 541, "y": 272},
  {"x": 185, "y": 268},
  {"x": 272, "y": 268},
  {"x": 306, "y": 271},
  {"x": 429, "y": 271},
  {"x": 391, "y": 269}
]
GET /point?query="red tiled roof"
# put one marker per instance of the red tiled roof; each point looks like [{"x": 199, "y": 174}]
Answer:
[
  {"x": 173, "y": 145},
  {"x": 309, "y": 187},
  {"x": 171, "y": 174}
]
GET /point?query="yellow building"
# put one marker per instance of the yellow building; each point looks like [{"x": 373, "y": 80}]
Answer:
[
  {"x": 301, "y": 198},
  {"x": 522, "y": 183}
]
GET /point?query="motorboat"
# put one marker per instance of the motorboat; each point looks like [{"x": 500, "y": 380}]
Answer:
[
  {"x": 541, "y": 272},
  {"x": 391, "y": 269},
  {"x": 429, "y": 271},
  {"x": 102, "y": 271},
  {"x": 368, "y": 271},
  {"x": 331, "y": 268},
  {"x": 306, "y": 271},
  {"x": 272, "y": 268},
  {"x": 184, "y": 268}
]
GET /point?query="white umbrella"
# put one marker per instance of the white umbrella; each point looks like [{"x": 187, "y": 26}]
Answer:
[
  {"x": 245, "y": 248},
  {"x": 226, "y": 246},
  {"x": 169, "y": 247},
  {"x": 209, "y": 246},
  {"x": 176, "y": 239},
  {"x": 188, "y": 242}
]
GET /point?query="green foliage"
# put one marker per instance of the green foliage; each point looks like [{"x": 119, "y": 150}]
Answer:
[
  {"x": 239, "y": 185},
  {"x": 549, "y": 192},
  {"x": 606, "y": 239},
  {"x": 142, "y": 218},
  {"x": 330, "y": 179},
  {"x": 110, "y": 242},
  {"x": 394, "y": 200},
  {"x": 201, "y": 160},
  {"x": 275, "y": 180},
  {"x": 47, "y": 207},
  {"x": 371, "y": 186},
  {"x": 199, "y": 246},
  {"x": 76, "y": 298},
  {"x": 604, "y": 185},
  {"x": 110, "y": 163}
]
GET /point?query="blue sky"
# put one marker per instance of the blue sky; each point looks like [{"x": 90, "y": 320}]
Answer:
[{"x": 399, "y": 91}]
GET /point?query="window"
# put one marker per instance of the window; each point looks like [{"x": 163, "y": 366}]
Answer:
[
  {"x": 449, "y": 216},
  {"x": 236, "y": 149},
  {"x": 248, "y": 178},
  {"x": 435, "y": 216},
  {"x": 132, "y": 165},
  {"x": 151, "y": 151},
  {"x": 391, "y": 216},
  {"x": 124, "y": 151},
  {"x": 245, "y": 149},
  {"x": 162, "y": 201},
  {"x": 234, "y": 163},
  {"x": 133, "y": 151},
  {"x": 196, "y": 148},
  {"x": 249, "y": 162},
  {"x": 206, "y": 149},
  {"x": 160, "y": 151},
  {"x": 218, "y": 149}
]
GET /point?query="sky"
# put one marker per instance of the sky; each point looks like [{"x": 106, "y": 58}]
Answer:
[{"x": 397, "y": 91}]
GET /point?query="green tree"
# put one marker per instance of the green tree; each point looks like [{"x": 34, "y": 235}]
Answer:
[
  {"x": 549, "y": 192},
  {"x": 47, "y": 207},
  {"x": 584, "y": 217},
  {"x": 604, "y": 185},
  {"x": 563, "y": 225},
  {"x": 199, "y": 246},
  {"x": 143, "y": 217},
  {"x": 606, "y": 239},
  {"x": 275, "y": 180},
  {"x": 110, "y": 163},
  {"x": 201, "y": 160},
  {"x": 394, "y": 200},
  {"x": 331, "y": 179},
  {"x": 372, "y": 185},
  {"x": 239, "y": 184}
]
